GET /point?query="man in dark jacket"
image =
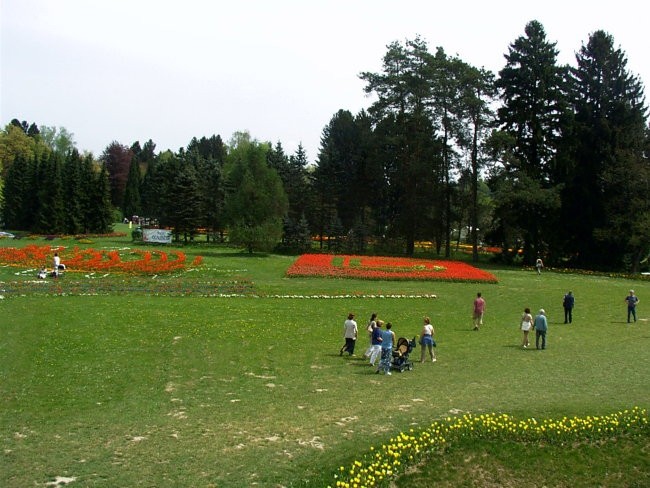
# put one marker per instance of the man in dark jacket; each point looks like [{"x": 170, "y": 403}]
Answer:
[{"x": 568, "y": 303}]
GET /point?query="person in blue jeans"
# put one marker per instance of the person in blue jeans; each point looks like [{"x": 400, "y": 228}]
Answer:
[
  {"x": 631, "y": 300},
  {"x": 541, "y": 326},
  {"x": 388, "y": 339},
  {"x": 376, "y": 339}
]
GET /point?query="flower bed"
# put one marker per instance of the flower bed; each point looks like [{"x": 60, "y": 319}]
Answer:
[
  {"x": 407, "y": 449},
  {"x": 385, "y": 268},
  {"x": 75, "y": 259},
  {"x": 130, "y": 285}
]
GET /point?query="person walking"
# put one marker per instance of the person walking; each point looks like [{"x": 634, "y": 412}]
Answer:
[
  {"x": 376, "y": 340},
  {"x": 479, "y": 309},
  {"x": 426, "y": 340},
  {"x": 568, "y": 302},
  {"x": 350, "y": 332},
  {"x": 539, "y": 264},
  {"x": 541, "y": 326},
  {"x": 526, "y": 325},
  {"x": 388, "y": 339},
  {"x": 632, "y": 301},
  {"x": 372, "y": 323}
]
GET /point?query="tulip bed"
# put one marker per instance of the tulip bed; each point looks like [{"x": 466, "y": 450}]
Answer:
[
  {"x": 404, "y": 450},
  {"x": 117, "y": 271},
  {"x": 386, "y": 268},
  {"x": 76, "y": 259}
]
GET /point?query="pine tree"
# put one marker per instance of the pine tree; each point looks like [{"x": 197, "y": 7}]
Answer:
[
  {"x": 132, "y": 202},
  {"x": 73, "y": 188},
  {"x": 531, "y": 87},
  {"x": 50, "y": 217},
  {"x": 606, "y": 198},
  {"x": 184, "y": 201}
]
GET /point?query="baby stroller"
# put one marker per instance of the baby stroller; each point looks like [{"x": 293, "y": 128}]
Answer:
[{"x": 401, "y": 353}]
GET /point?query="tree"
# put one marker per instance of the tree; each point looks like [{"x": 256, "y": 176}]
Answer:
[
  {"x": 57, "y": 139},
  {"x": 132, "y": 201},
  {"x": 74, "y": 189},
  {"x": 117, "y": 159},
  {"x": 409, "y": 148},
  {"x": 50, "y": 216},
  {"x": 20, "y": 194},
  {"x": 531, "y": 88},
  {"x": 607, "y": 190},
  {"x": 184, "y": 201},
  {"x": 476, "y": 98},
  {"x": 99, "y": 216},
  {"x": 15, "y": 142},
  {"x": 255, "y": 202}
]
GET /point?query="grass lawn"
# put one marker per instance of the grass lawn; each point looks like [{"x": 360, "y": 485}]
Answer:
[{"x": 129, "y": 389}]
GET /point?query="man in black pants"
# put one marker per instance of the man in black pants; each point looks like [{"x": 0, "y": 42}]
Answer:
[{"x": 568, "y": 303}]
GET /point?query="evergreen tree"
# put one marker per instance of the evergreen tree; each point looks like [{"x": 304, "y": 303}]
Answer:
[
  {"x": 606, "y": 198},
  {"x": 531, "y": 87},
  {"x": 117, "y": 159},
  {"x": 50, "y": 217},
  {"x": 100, "y": 211},
  {"x": 184, "y": 200},
  {"x": 90, "y": 199},
  {"x": 132, "y": 202},
  {"x": 296, "y": 184},
  {"x": 20, "y": 195},
  {"x": 73, "y": 189}
]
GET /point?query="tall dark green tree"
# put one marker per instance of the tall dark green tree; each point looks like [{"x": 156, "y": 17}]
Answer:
[
  {"x": 338, "y": 163},
  {"x": 531, "y": 88},
  {"x": 184, "y": 199},
  {"x": 117, "y": 159},
  {"x": 21, "y": 194},
  {"x": 50, "y": 216},
  {"x": 132, "y": 201},
  {"x": 74, "y": 192},
  {"x": 99, "y": 216},
  {"x": 606, "y": 202}
]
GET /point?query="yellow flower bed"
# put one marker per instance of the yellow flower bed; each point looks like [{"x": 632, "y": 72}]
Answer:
[{"x": 405, "y": 449}]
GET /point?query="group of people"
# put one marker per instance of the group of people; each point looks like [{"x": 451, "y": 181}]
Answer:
[
  {"x": 539, "y": 324},
  {"x": 382, "y": 340},
  {"x": 57, "y": 267},
  {"x": 382, "y": 337},
  {"x": 528, "y": 323}
]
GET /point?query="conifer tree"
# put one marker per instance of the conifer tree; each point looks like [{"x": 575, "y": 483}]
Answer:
[
  {"x": 606, "y": 201},
  {"x": 531, "y": 87}
]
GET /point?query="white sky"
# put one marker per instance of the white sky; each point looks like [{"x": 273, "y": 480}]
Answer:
[{"x": 170, "y": 70}]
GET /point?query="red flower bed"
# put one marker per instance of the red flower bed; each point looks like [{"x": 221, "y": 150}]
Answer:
[
  {"x": 386, "y": 268},
  {"x": 131, "y": 261}
]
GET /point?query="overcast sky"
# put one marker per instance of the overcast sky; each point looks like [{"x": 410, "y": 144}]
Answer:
[{"x": 128, "y": 70}]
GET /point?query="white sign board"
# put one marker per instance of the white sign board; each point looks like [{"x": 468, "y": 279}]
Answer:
[{"x": 160, "y": 236}]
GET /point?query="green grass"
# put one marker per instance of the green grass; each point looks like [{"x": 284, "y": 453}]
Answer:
[{"x": 136, "y": 390}]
